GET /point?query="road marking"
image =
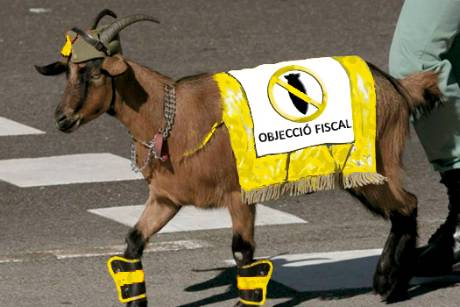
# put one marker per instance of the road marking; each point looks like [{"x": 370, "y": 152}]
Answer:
[
  {"x": 9, "y": 127},
  {"x": 119, "y": 249},
  {"x": 62, "y": 254},
  {"x": 67, "y": 169},
  {"x": 336, "y": 270},
  {"x": 39, "y": 10},
  {"x": 10, "y": 260},
  {"x": 190, "y": 218}
]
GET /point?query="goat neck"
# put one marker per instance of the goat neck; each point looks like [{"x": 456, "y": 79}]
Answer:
[{"x": 139, "y": 95}]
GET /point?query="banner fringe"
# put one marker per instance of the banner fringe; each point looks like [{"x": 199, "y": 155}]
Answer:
[{"x": 310, "y": 185}]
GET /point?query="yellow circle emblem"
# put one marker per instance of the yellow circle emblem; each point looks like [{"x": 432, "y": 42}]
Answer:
[{"x": 281, "y": 92}]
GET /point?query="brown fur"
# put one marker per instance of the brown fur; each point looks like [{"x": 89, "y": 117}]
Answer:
[{"x": 209, "y": 178}]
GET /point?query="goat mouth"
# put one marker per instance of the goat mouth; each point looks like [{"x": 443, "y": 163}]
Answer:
[{"x": 68, "y": 126}]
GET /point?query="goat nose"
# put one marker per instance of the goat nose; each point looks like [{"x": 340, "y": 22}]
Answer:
[
  {"x": 63, "y": 122},
  {"x": 60, "y": 119},
  {"x": 67, "y": 122}
]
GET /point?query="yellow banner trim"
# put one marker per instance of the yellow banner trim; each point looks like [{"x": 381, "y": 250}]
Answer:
[
  {"x": 205, "y": 140},
  {"x": 309, "y": 169}
]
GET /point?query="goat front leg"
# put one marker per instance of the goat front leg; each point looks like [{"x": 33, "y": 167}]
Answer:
[{"x": 157, "y": 213}]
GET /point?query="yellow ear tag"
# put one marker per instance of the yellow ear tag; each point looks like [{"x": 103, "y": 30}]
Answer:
[{"x": 67, "y": 48}]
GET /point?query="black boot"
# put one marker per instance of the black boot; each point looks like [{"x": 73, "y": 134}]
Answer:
[{"x": 442, "y": 253}]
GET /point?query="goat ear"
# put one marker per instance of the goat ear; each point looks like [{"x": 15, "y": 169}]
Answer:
[
  {"x": 52, "y": 69},
  {"x": 114, "y": 65}
]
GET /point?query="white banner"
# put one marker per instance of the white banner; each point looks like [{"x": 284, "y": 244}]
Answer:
[{"x": 298, "y": 104}]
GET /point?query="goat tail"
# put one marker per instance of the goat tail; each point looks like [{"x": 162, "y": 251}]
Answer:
[{"x": 422, "y": 91}]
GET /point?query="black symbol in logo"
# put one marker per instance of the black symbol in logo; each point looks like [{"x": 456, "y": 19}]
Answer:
[{"x": 293, "y": 80}]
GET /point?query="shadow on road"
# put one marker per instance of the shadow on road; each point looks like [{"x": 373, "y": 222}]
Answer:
[{"x": 345, "y": 279}]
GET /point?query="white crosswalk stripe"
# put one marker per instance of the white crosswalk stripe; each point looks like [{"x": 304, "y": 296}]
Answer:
[
  {"x": 329, "y": 271},
  {"x": 326, "y": 271},
  {"x": 191, "y": 218},
  {"x": 309, "y": 272},
  {"x": 293, "y": 271},
  {"x": 9, "y": 127},
  {"x": 66, "y": 169},
  {"x": 100, "y": 167}
]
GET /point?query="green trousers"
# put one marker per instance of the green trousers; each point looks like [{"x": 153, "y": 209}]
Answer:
[{"x": 426, "y": 39}]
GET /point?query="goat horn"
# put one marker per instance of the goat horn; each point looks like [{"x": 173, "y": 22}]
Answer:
[
  {"x": 102, "y": 14},
  {"x": 90, "y": 40},
  {"x": 110, "y": 32},
  {"x": 52, "y": 69}
]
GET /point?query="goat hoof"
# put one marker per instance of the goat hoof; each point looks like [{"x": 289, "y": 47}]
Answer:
[
  {"x": 141, "y": 303},
  {"x": 397, "y": 295},
  {"x": 390, "y": 287}
]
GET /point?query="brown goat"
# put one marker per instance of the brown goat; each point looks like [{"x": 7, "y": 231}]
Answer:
[{"x": 209, "y": 179}]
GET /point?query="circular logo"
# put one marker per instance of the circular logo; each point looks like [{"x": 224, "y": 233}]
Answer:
[{"x": 297, "y": 94}]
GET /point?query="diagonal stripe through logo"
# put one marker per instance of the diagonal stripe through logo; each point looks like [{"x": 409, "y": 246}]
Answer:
[{"x": 297, "y": 93}]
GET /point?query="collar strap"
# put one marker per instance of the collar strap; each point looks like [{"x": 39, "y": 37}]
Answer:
[
  {"x": 111, "y": 110},
  {"x": 169, "y": 109},
  {"x": 205, "y": 140},
  {"x": 157, "y": 145},
  {"x": 169, "y": 113}
]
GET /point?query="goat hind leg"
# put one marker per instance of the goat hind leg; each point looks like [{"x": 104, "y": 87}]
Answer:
[
  {"x": 395, "y": 266},
  {"x": 253, "y": 276},
  {"x": 243, "y": 217},
  {"x": 243, "y": 245}
]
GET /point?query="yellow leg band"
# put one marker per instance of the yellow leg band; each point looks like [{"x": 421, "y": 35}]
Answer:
[
  {"x": 128, "y": 276},
  {"x": 252, "y": 281}
]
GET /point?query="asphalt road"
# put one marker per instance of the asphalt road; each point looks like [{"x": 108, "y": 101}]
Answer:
[{"x": 193, "y": 37}]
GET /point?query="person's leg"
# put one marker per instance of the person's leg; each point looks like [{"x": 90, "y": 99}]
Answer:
[
  {"x": 443, "y": 248},
  {"x": 426, "y": 38}
]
